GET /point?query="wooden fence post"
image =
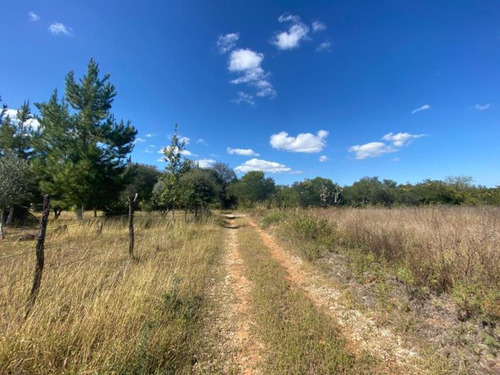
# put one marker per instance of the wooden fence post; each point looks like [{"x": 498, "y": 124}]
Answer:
[
  {"x": 131, "y": 207},
  {"x": 40, "y": 256}
]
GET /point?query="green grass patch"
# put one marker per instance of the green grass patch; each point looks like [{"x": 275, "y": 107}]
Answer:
[{"x": 299, "y": 338}]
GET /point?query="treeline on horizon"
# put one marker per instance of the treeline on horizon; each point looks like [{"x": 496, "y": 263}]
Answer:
[{"x": 80, "y": 155}]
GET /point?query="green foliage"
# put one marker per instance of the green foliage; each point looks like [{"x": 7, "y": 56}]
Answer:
[
  {"x": 16, "y": 135},
  {"x": 199, "y": 188},
  {"x": 252, "y": 188},
  {"x": 141, "y": 179},
  {"x": 272, "y": 217},
  {"x": 81, "y": 156},
  {"x": 15, "y": 179}
]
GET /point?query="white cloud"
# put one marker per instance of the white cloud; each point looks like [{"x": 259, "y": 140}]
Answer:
[
  {"x": 226, "y": 42},
  {"x": 186, "y": 140},
  {"x": 148, "y": 151},
  {"x": 202, "y": 141},
  {"x": 248, "y": 63},
  {"x": 183, "y": 152},
  {"x": 323, "y": 158},
  {"x": 160, "y": 159},
  {"x": 205, "y": 163},
  {"x": 152, "y": 146},
  {"x": 325, "y": 46},
  {"x": 401, "y": 139},
  {"x": 375, "y": 149},
  {"x": 423, "y": 108},
  {"x": 291, "y": 39},
  {"x": 304, "y": 142},
  {"x": 242, "y": 151},
  {"x": 139, "y": 140},
  {"x": 244, "y": 98},
  {"x": 12, "y": 113},
  {"x": 318, "y": 26},
  {"x": 58, "y": 28},
  {"x": 482, "y": 107},
  {"x": 150, "y": 135},
  {"x": 33, "y": 16},
  {"x": 244, "y": 59},
  {"x": 263, "y": 165},
  {"x": 288, "y": 17},
  {"x": 371, "y": 150}
]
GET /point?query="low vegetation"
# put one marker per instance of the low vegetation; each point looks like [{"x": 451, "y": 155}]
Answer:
[
  {"x": 298, "y": 338},
  {"x": 431, "y": 250},
  {"x": 100, "y": 312}
]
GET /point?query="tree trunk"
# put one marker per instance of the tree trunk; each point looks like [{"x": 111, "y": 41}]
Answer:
[
  {"x": 11, "y": 215},
  {"x": 2, "y": 211},
  {"x": 57, "y": 213},
  {"x": 79, "y": 213},
  {"x": 95, "y": 212}
]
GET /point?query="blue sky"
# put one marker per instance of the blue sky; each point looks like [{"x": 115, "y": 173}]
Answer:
[{"x": 396, "y": 89}]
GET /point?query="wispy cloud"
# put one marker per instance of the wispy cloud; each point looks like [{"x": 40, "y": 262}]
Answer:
[
  {"x": 325, "y": 46},
  {"x": 318, "y": 26},
  {"x": 205, "y": 163},
  {"x": 423, "y": 108},
  {"x": 58, "y": 28},
  {"x": 244, "y": 98},
  {"x": 401, "y": 139},
  {"x": 288, "y": 18},
  {"x": 304, "y": 142},
  {"x": 33, "y": 16},
  {"x": 371, "y": 150},
  {"x": 323, "y": 158},
  {"x": 292, "y": 37},
  {"x": 183, "y": 152},
  {"x": 138, "y": 139},
  {"x": 226, "y": 42},
  {"x": 150, "y": 135},
  {"x": 264, "y": 166},
  {"x": 482, "y": 107},
  {"x": 242, "y": 151},
  {"x": 248, "y": 63},
  {"x": 201, "y": 141},
  {"x": 375, "y": 149}
]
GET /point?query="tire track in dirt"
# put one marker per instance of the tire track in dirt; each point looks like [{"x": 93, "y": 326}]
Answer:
[
  {"x": 235, "y": 349},
  {"x": 360, "y": 331}
]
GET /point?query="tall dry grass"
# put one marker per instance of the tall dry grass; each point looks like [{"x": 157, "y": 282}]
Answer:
[
  {"x": 437, "y": 249},
  {"x": 100, "y": 312}
]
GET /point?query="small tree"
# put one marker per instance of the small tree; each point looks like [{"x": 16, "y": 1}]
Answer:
[
  {"x": 199, "y": 188},
  {"x": 15, "y": 178},
  {"x": 16, "y": 133},
  {"x": 168, "y": 192},
  {"x": 252, "y": 188}
]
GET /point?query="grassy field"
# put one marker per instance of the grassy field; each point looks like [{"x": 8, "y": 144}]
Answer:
[
  {"x": 348, "y": 291},
  {"x": 98, "y": 311},
  {"x": 430, "y": 273}
]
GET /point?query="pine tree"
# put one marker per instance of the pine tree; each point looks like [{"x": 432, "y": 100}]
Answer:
[{"x": 86, "y": 150}]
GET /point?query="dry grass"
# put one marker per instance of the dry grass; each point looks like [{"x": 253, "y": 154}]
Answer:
[
  {"x": 438, "y": 249},
  {"x": 98, "y": 311}
]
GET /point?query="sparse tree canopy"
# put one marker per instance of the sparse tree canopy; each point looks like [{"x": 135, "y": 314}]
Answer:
[
  {"x": 15, "y": 178},
  {"x": 16, "y": 133}
]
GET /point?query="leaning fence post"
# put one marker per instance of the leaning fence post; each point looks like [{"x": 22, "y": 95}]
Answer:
[
  {"x": 131, "y": 208},
  {"x": 40, "y": 256}
]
